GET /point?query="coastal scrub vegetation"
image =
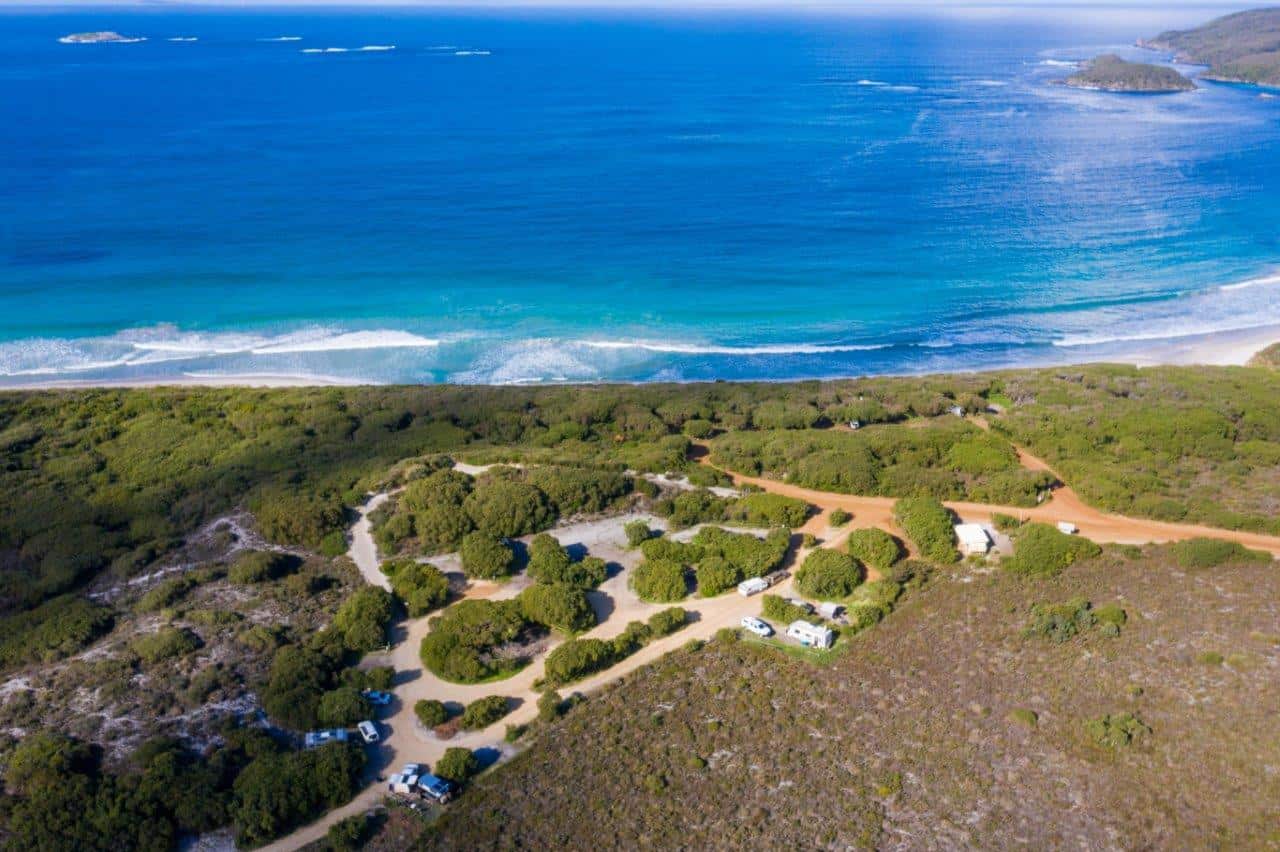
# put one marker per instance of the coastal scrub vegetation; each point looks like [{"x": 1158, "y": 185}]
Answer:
[
  {"x": 1035, "y": 737},
  {"x": 929, "y": 525},
  {"x": 1043, "y": 549}
]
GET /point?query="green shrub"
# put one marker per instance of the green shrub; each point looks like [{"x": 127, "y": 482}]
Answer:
[
  {"x": 874, "y": 547},
  {"x": 667, "y": 621},
  {"x": 769, "y": 510},
  {"x": 828, "y": 575},
  {"x": 458, "y": 765},
  {"x": 259, "y": 566},
  {"x": 558, "y": 606},
  {"x": 669, "y": 548},
  {"x": 343, "y": 707},
  {"x": 751, "y": 556},
  {"x": 363, "y": 618},
  {"x": 419, "y": 586},
  {"x": 297, "y": 679},
  {"x": 297, "y": 518},
  {"x": 659, "y": 581},
  {"x": 1005, "y": 523},
  {"x": 778, "y": 609},
  {"x": 549, "y": 706},
  {"x": 349, "y": 834},
  {"x": 1117, "y": 730},
  {"x": 505, "y": 508},
  {"x": 630, "y": 640},
  {"x": 637, "y": 532},
  {"x": 1044, "y": 550},
  {"x": 548, "y": 560},
  {"x": 1111, "y": 618},
  {"x": 166, "y": 593},
  {"x": 576, "y": 659},
  {"x": 1209, "y": 658},
  {"x": 1024, "y": 717},
  {"x": 458, "y": 646},
  {"x": 483, "y": 712},
  {"x": 716, "y": 576},
  {"x": 165, "y": 644},
  {"x": 278, "y": 792},
  {"x": 430, "y": 712},
  {"x": 1196, "y": 553},
  {"x": 485, "y": 557},
  {"x": 928, "y": 524},
  {"x": 839, "y": 517},
  {"x": 698, "y": 428},
  {"x": 1061, "y": 622}
]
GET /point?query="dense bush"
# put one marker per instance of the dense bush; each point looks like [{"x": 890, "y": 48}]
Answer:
[
  {"x": 1060, "y": 622},
  {"x": 576, "y": 659},
  {"x": 659, "y": 581},
  {"x": 430, "y": 712},
  {"x": 1041, "y": 549},
  {"x": 363, "y": 618},
  {"x": 277, "y": 792},
  {"x": 778, "y": 609},
  {"x": 548, "y": 560},
  {"x": 297, "y": 679},
  {"x": 420, "y": 587},
  {"x": 343, "y": 707},
  {"x": 637, "y": 532},
  {"x": 166, "y": 643},
  {"x": 458, "y": 765},
  {"x": 839, "y": 517},
  {"x": 828, "y": 575},
  {"x": 928, "y": 524},
  {"x": 549, "y": 706},
  {"x": 715, "y": 576},
  {"x": 506, "y": 508},
  {"x": 558, "y": 606},
  {"x": 667, "y": 621},
  {"x": 459, "y": 644},
  {"x": 258, "y": 566},
  {"x": 483, "y": 712},
  {"x": 166, "y": 593},
  {"x": 55, "y": 629},
  {"x": 1116, "y": 730},
  {"x": 295, "y": 518},
  {"x": 575, "y": 490},
  {"x": 874, "y": 547},
  {"x": 485, "y": 557},
  {"x": 1212, "y": 552},
  {"x": 749, "y": 555},
  {"x": 768, "y": 510}
]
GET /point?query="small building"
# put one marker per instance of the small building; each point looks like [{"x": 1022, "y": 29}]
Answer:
[
  {"x": 811, "y": 635},
  {"x": 973, "y": 539}
]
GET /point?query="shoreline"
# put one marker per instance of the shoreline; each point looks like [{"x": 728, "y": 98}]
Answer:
[{"x": 1231, "y": 348}]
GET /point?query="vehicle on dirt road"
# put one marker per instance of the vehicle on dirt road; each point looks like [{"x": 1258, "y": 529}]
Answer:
[
  {"x": 438, "y": 789},
  {"x": 757, "y": 626}
]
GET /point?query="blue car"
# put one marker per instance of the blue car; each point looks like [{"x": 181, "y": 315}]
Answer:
[
  {"x": 437, "y": 788},
  {"x": 377, "y": 698}
]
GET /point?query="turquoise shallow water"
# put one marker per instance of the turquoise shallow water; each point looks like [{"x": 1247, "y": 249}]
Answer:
[{"x": 543, "y": 197}]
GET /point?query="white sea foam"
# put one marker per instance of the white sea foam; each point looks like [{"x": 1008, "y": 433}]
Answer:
[
  {"x": 871, "y": 83},
  {"x": 374, "y": 48},
  {"x": 70, "y": 40},
  {"x": 183, "y": 38},
  {"x": 888, "y": 87},
  {"x": 991, "y": 84},
  {"x": 312, "y": 50},
  {"x": 347, "y": 342},
  {"x": 471, "y": 53},
  {"x": 711, "y": 349},
  {"x": 1170, "y": 333},
  {"x": 1264, "y": 281},
  {"x": 1060, "y": 63},
  {"x": 282, "y": 38}
]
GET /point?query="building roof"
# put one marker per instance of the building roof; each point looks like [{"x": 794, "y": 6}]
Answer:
[{"x": 972, "y": 535}]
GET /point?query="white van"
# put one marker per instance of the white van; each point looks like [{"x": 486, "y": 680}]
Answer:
[
  {"x": 754, "y": 586},
  {"x": 368, "y": 731}
]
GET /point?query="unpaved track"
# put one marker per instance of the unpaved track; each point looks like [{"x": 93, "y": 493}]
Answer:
[{"x": 404, "y": 741}]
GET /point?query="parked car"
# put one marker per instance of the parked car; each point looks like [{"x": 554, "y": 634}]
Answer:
[
  {"x": 1067, "y": 527},
  {"x": 414, "y": 769},
  {"x": 756, "y": 626},
  {"x": 438, "y": 789},
  {"x": 377, "y": 698},
  {"x": 368, "y": 731},
  {"x": 754, "y": 586},
  {"x": 404, "y": 783},
  {"x": 315, "y": 739}
]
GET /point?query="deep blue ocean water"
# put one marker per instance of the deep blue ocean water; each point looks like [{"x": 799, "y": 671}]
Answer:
[{"x": 511, "y": 197}]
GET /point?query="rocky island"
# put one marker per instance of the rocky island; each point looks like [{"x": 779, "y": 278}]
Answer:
[
  {"x": 1239, "y": 48},
  {"x": 1110, "y": 73},
  {"x": 101, "y": 37}
]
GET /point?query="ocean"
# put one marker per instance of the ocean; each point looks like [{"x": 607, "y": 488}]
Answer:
[{"x": 507, "y": 197}]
